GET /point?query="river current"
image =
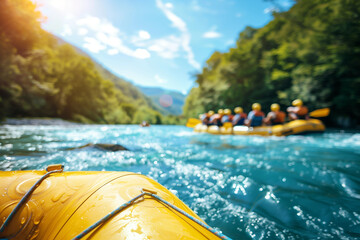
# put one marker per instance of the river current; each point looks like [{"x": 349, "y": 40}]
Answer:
[{"x": 248, "y": 187}]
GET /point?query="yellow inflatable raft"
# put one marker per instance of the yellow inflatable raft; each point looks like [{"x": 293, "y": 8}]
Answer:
[
  {"x": 54, "y": 204},
  {"x": 290, "y": 128}
]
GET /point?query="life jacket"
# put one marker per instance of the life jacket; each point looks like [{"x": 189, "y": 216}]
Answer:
[
  {"x": 212, "y": 118},
  {"x": 257, "y": 118},
  {"x": 302, "y": 112},
  {"x": 226, "y": 118},
  {"x": 215, "y": 120},
  {"x": 204, "y": 118},
  {"x": 239, "y": 119},
  {"x": 279, "y": 118}
]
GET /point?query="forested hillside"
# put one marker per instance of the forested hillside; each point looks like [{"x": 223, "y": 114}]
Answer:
[
  {"x": 156, "y": 93},
  {"x": 41, "y": 76},
  {"x": 310, "y": 52}
]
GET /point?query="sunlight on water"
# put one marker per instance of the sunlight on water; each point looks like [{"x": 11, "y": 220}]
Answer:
[{"x": 296, "y": 187}]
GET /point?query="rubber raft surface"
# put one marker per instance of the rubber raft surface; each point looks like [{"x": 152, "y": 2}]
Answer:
[{"x": 67, "y": 203}]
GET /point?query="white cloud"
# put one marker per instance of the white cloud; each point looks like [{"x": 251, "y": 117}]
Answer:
[
  {"x": 166, "y": 47},
  {"x": 270, "y": 10},
  {"x": 108, "y": 28},
  {"x": 169, "y": 5},
  {"x": 144, "y": 35},
  {"x": 61, "y": 5},
  {"x": 185, "y": 35},
  {"x": 159, "y": 79},
  {"x": 90, "y": 22},
  {"x": 141, "y": 53},
  {"x": 112, "y": 41},
  {"x": 176, "y": 21},
  {"x": 104, "y": 36},
  {"x": 93, "y": 45},
  {"x": 98, "y": 25},
  {"x": 211, "y": 34},
  {"x": 67, "y": 31},
  {"x": 82, "y": 31},
  {"x": 141, "y": 39},
  {"x": 107, "y": 36},
  {"x": 113, "y": 51},
  {"x": 69, "y": 16}
]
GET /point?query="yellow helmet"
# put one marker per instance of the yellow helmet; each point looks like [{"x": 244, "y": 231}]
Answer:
[
  {"x": 221, "y": 111},
  {"x": 297, "y": 103},
  {"x": 256, "y": 106},
  {"x": 275, "y": 107},
  {"x": 227, "y": 111},
  {"x": 211, "y": 112},
  {"x": 238, "y": 110}
]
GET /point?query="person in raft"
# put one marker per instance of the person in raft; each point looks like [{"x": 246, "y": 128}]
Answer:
[
  {"x": 240, "y": 117},
  {"x": 227, "y": 117},
  {"x": 216, "y": 118},
  {"x": 256, "y": 116},
  {"x": 205, "y": 118},
  {"x": 298, "y": 111},
  {"x": 275, "y": 116}
]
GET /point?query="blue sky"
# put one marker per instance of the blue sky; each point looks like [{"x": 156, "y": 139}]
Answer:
[{"x": 154, "y": 42}]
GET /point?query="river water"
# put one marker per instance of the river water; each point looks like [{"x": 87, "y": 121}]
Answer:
[{"x": 248, "y": 187}]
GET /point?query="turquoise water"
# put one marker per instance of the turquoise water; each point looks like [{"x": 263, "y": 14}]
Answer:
[{"x": 296, "y": 187}]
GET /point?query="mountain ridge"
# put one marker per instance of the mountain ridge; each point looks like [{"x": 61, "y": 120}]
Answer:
[{"x": 156, "y": 93}]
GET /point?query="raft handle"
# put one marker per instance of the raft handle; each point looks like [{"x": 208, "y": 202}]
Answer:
[
  {"x": 55, "y": 167},
  {"x": 148, "y": 190}
]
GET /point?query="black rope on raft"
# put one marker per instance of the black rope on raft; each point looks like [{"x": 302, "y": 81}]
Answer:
[
  {"x": 146, "y": 192},
  {"x": 25, "y": 198}
]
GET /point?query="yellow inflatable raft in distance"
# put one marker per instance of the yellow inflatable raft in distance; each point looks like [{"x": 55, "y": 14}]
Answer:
[
  {"x": 65, "y": 204},
  {"x": 290, "y": 128}
]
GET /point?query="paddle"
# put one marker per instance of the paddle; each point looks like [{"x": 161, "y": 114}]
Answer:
[
  {"x": 192, "y": 122},
  {"x": 323, "y": 112}
]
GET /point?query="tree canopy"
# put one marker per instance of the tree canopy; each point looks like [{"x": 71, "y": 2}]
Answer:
[
  {"x": 310, "y": 52},
  {"x": 41, "y": 76}
]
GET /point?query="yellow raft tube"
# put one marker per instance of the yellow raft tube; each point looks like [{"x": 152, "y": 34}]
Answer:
[
  {"x": 63, "y": 205},
  {"x": 290, "y": 128}
]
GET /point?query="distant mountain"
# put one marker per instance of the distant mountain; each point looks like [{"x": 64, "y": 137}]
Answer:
[{"x": 167, "y": 101}]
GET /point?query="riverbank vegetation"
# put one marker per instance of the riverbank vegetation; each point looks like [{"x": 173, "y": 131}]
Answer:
[
  {"x": 310, "y": 52},
  {"x": 42, "y": 76}
]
